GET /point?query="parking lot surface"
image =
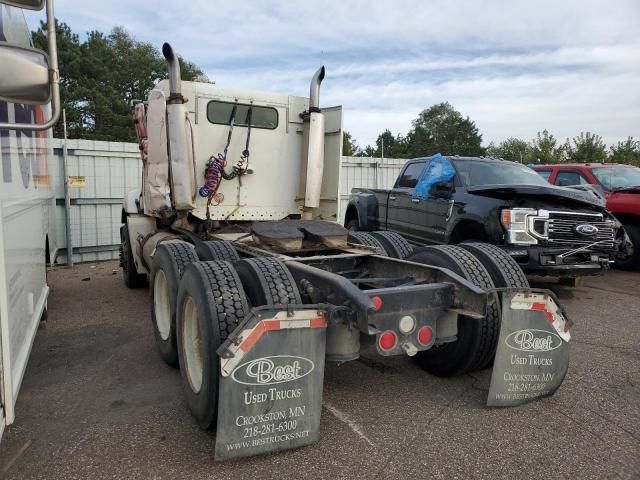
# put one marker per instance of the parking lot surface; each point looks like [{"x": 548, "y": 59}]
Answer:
[{"x": 97, "y": 402}]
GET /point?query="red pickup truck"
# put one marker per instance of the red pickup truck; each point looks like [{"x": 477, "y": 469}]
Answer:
[{"x": 621, "y": 187}]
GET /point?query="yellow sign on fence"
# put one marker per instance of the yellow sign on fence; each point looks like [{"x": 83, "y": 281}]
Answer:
[{"x": 77, "y": 181}]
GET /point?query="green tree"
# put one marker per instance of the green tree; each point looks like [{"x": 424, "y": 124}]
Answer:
[
  {"x": 627, "y": 152},
  {"x": 70, "y": 65},
  {"x": 588, "y": 147},
  {"x": 100, "y": 76},
  {"x": 442, "y": 129},
  {"x": 545, "y": 149},
  {"x": 349, "y": 146},
  {"x": 391, "y": 146},
  {"x": 512, "y": 149}
]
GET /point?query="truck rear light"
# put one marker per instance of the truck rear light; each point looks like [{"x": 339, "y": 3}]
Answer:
[
  {"x": 387, "y": 340},
  {"x": 425, "y": 335},
  {"x": 377, "y": 303},
  {"x": 407, "y": 324}
]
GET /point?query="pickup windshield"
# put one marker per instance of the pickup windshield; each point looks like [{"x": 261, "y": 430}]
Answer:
[
  {"x": 616, "y": 178},
  {"x": 476, "y": 172}
]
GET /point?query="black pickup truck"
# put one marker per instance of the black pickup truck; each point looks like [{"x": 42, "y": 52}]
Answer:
[{"x": 548, "y": 230}]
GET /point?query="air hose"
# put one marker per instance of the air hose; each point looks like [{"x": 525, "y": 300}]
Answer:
[{"x": 215, "y": 169}]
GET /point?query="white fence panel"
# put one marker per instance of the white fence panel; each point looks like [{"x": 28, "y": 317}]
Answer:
[
  {"x": 110, "y": 169},
  {"x": 107, "y": 170},
  {"x": 366, "y": 172}
]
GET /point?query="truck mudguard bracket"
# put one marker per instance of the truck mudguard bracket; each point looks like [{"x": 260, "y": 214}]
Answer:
[{"x": 532, "y": 357}]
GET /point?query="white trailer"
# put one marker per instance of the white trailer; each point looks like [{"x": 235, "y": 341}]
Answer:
[{"x": 27, "y": 203}]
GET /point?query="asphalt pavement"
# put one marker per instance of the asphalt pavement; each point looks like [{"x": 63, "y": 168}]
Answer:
[{"x": 97, "y": 402}]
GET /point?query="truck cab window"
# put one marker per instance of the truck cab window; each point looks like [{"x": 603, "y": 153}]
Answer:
[
  {"x": 410, "y": 175},
  {"x": 565, "y": 179},
  {"x": 261, "y": 117},
  {"x": 544, "y": 174}
]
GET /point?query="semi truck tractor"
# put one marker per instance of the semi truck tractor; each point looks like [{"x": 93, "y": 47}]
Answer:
[{"x": 254, "y": 285}]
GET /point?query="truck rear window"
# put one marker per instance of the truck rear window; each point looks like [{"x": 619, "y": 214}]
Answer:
[{"x": 261, "y": 117}]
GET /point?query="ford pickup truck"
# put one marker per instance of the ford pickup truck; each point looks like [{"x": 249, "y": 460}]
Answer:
[
  {"x": 621, "y": 187},
  {"x": 547, "y": 229}
]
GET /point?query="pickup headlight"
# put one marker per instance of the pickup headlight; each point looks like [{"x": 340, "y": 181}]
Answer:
[{"x": 515, "y": 222}]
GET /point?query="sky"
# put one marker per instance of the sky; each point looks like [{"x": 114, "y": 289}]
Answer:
[{"x": 514, "y": 67}]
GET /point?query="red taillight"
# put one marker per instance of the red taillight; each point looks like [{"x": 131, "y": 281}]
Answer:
[
  {"x": 377, "y": 303},
  {"x": 425, "y": 334},
  {"x": 387, "y": 340}
]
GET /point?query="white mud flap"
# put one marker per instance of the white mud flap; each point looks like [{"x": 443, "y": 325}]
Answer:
[
  {"x": 532, "y": 357},
  {"x": 272, "y": 372}
]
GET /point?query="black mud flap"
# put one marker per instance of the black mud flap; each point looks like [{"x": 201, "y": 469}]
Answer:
[
  {"x": 532, "y": 357},
  {"x": 272, "y": 372}
]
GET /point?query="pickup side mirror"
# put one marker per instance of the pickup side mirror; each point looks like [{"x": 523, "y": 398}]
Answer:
[
  {"x": 442, "y": 189},
  {"x": 29, "y": 75}
]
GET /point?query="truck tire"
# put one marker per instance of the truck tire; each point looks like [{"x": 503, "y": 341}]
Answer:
[
  {"x": 352, "y": 225},
  {"x": 132, "y": 279},
  {"x": 210, "y": 305},
  {"x": 477, "y": 339},
  {"x": 217, "y": 250},
  {"x": 169, "y": 263},
  {"x": 267, "y": 281},
  {"x": 368, "y": 240},
  {"x": 394, "y": 244},
  {"x": 633, "y": 262},
  {"x": 504, "y": 270}
]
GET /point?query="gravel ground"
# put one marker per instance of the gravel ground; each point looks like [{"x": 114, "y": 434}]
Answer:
[{"x": 97, "y": 402}]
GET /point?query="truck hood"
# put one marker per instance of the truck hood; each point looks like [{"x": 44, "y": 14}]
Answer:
[{"x": 584, "y": 195}]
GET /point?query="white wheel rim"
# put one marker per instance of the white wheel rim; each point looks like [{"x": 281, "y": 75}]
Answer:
[
  {"x": 161, "y": 304},
  {"x": 192, "y": 344}
]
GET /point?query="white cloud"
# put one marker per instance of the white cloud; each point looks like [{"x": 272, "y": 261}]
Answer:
[{"x": 514, "y": 67}]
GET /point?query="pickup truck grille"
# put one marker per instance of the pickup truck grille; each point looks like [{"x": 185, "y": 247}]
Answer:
[{"x": 562, "y": 230}]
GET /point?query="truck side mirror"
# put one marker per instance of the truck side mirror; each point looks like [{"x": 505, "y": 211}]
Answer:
[
  {"x": 29, "y": 4},
  {"x": 25, "y": 76},
  {"x": 29, "y": 75}
]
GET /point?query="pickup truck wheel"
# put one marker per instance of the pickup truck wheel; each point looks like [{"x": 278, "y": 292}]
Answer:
[
  {"x": 477, "y": 339},
  {"x": 267, "y": 281},
  {"x": 132, "y": 279},
  {"x": 211, "y": 303},
  {"x": 169, "y": 263},
  {"x": 352, "y": 225},
  {"x": 394, "y": 244},
  {"x": 217, "y": 250},
  {"x": 633, "y": 262},
  {"x": 368, "y": 240},
  {"x": 504, "y": 270}
]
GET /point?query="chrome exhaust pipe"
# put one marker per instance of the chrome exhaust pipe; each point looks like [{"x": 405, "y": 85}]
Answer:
[
  {"x": 182, "y": 172},
  {"x": 314, "y": 91},
  {"x": 313, "y": 149},
  {"x": 175, "y": 80}
]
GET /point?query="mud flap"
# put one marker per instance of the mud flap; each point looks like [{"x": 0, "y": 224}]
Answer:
[
  {"x": 270, "y": 392},
  {"x": 532, "y": 356}
]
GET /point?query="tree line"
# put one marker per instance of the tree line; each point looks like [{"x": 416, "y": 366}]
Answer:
[
  {"x": 442, "y": 129},
  {"x": 100, "y": 76}
]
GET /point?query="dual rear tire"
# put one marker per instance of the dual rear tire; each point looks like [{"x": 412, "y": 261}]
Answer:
[
  {"x": 488, "y": 267},
  {"x": 197, "y": 304},
  {"x": 385, "y": 243}
]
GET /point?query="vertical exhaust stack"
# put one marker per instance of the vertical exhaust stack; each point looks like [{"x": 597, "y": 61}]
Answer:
[
  {"x": 181, "y": 162},
  {"x": 313, "y": 152}
]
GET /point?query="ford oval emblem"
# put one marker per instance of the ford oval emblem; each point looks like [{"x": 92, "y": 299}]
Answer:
[{"x": 586, "y": 229}]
